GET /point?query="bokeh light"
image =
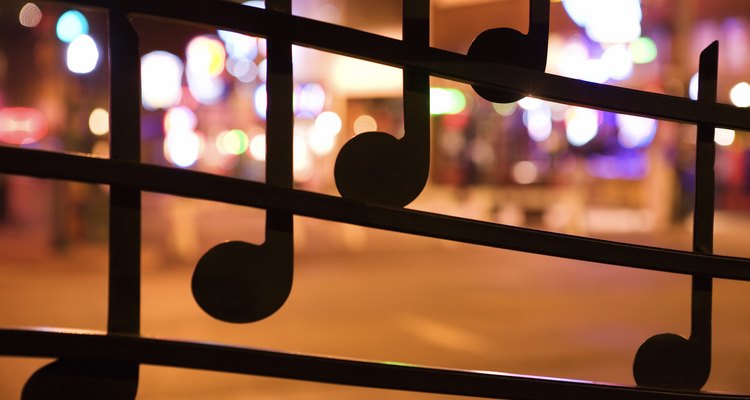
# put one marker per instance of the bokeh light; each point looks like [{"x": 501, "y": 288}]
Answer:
[
  {"x": 365, "y": 123},
  {"x": 205, "y": 57},
  {"x": 82, "y": 55},
  {"x": 538, "y": 121},
  {"x": 446, "y": 101},
  {"x": 233, "y": 141},
  {"x": 257, "y": 148},
  {"x": 22, "y": 125},
  {"x": 71, "y": 25},
  {"x": 525, "y": 172},
  {"x": 322, "y": 138},
  {"x": 643, "y": 50},
  {"x": 618, "y": 62},
  {"x": 183, "y": 147},
  {"x": 724, "y": 137},
  {"x": 506, "y": 110},
  {"x": 180, "y": 119},
  {"x": 99, "y": 122},
  {"x": 635, "y": 131},
  {"x": 261, "y": 101},
  {"x": 693, "y": 88},
  {"x": 312, "y": 99},
  {"x": 530, "y": 103},
  {"x": 740, "y": 94},
  {"x": 30, "y": 15},
  {"x": 581, "y": 125},
  {"x": 161, "y": 80}
]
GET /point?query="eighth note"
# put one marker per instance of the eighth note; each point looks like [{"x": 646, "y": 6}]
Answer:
[{"x": 510, "y": 47}]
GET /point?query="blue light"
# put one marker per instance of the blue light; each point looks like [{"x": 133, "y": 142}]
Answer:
[{"x": 70, "y": 25}]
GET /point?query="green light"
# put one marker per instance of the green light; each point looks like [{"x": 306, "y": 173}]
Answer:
[
  {"x": 446, "y": 101},
  {"x": 643, "y": 50},
  {"x": 232, "y": 142}
]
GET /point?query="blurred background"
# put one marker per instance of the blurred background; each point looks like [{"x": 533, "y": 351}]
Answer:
[{"x": 366, "y": 293}]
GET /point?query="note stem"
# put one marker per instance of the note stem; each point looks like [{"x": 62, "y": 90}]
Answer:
[{"x": 703, "y": 218}]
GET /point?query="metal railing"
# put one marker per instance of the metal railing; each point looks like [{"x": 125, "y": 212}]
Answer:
[{"x": 106, "y": 364}]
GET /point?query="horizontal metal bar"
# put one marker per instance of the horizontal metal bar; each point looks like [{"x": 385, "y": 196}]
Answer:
[
  {"x": 355, "y": 43},
  {"x": 132, "y": 348},
  {"x": 204, "y": 186}
]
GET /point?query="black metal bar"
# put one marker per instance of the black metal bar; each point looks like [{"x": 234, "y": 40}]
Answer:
[
  {"x": 383, "y": 375},
  {"x": 125, "y": 200},
  {"x": 446, "y": 64},
  {"x": 204, "y": 186}
]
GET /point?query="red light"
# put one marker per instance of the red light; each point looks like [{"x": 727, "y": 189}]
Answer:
[{"x": 22, "y": 125}]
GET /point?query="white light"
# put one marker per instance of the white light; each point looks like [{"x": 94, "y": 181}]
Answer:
[
  {"x": 180, "y": 119},
  {"x": 161, "y": 80},
  {"x": 82, "y": 55},
  {"x": 618, "y": 62},
  {"x": 182, "y": 148},
  {"x": 740, "y": 94},
  {"x": 693, "y": 89},
  {"x": 328, "y": 123},
  {"x": 530, "y": 103},
  {"x": 261, "y": 101},
  {"x": 724, "y": 137},
  {"x": 205, "y": 57},
  {"x": 635, "y": 131},
  {"x": 581, "y": 125},
  {"x": 239, "y": 45},
  {"x": 539, "y": 123},
  {"x": 611, "y": 21},
  {"x": 257, "y": 147},
  {"x": 312, "y": 99},
  {"x": 206, "y": 90}
]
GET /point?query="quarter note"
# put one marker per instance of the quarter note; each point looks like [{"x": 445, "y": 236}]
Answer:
[
  {"x": 375, "y": 167},
  {"x": 69, "y": 378},
  {"x": 669, "y": 360},
  {"x": 510, "y": 47},
  {"x": 242, "y": 282}
]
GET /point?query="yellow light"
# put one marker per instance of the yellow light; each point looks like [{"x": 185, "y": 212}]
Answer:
[
  {"x": 99, "y": 122},
  {"x": 206, "y": 56}
]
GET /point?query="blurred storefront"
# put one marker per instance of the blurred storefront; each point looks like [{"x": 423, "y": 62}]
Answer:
[{"x": 531, "y": 162}]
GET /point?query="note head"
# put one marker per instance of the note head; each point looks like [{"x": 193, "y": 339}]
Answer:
[
  {"x": 377, "y": 168},
  {"x": 83, "y": 379},
  {"x": 241, "y": 282},
  {"x": 672, "y": 362}
]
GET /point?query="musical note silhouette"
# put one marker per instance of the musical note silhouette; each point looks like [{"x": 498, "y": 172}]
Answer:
[
  {"x": 243, "y": 282},
  {"x": 510, "y": 47},
  {"x": 69, "y": 378},
  {"x": 669, "y": 360},
  {"x": 375, "y": 167}
]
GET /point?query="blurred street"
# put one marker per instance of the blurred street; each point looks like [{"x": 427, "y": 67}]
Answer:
[{"x": 368, "y": 294}]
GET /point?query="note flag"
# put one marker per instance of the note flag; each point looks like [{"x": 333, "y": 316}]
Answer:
[
  {"x": 669, "y": 360},
  {"x": 377, "y": 168},
  {"x": 510, "y": 47},
  {"x": 242, "y": 282}
]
